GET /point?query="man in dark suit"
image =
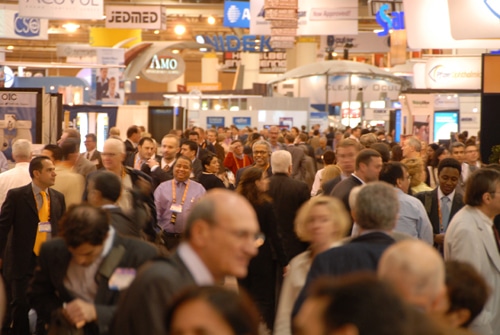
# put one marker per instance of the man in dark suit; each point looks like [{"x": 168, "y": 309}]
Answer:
[
  {"x": 31, "y": 213},
  {"x": 222, "y": 235},
  {"x": 446, "y": 194},
  {"x": 145, "y": 151},
  {"x": 288, "y": 195},
  {"x": 261, "y": 151},
  {"x": 189, "y": 149},
  {"x": 376, "y": 220},
  {"x": 162, "y": 170},
  {"x": 346, "y": 152},
  {"x": 80, "y": 276},
  {"x": 367, "y": 169},
  {"x": 133, "y": 137},
  {"x": 92, "y": 154}
]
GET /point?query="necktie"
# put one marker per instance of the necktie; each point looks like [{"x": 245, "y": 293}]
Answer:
[
  {"x": 88, "y": 155},
  {"x": 445, "y": 213},
  {"x": 43, "y": 216},
  {"x": 166, "y": 168}
]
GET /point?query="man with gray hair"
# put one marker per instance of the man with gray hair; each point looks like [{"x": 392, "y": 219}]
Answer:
[
  {"x": 19, "y": 175},
  {"x": 261, "y": 151},
  {"x": 411, "y": 147},
  {"x": 376, "y": 219},
  {"x": 288, "y": 195}
]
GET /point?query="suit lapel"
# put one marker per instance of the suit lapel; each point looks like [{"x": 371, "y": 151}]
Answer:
[
  {"x": 106, "y": 269},
  {"x": 486, "y": 234},
  {"x": 30, "y": 198}
]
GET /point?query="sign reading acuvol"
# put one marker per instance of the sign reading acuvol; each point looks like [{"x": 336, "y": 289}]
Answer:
[
  {"x": 62, "y": 9},
  {"x": 164, "y": 67}
]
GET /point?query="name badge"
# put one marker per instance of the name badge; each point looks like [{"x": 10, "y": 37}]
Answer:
[
  {"x": 175, "y": 208},
  {"x": 44, "y": 227},
  {"x": 121, "y": 278}
]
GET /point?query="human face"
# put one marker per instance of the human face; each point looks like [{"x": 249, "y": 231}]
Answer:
[
  {"x": 89, "y": 144},
  {"x": 346, "y": 159},
  {"x": 260, "y": 155},
  {"x": 309, "y": 319},
  {"x": 448, "y": 180},
  {"x": 136, "y": 137},
  {"x": 371, "y": 171},
  {"x": 471, "y": 154},
  {"x": 185, "y": 151},
  {"x": 194, "y": 138},
  {"x": 237, "y": 148},
  {"x": 86, "y": 253},
  {"x": 407, "y": 149},
  {"x": 321, "y": 226},
  {"x": 46, "y": 177},
  {"x": 458, "y": 153},
  {"x": 212, "y": 136},
  {"x": 112, "y": 158},
  {"x": 404, "y": 184},
  {"x": 169, "y": 148},
  {"x": 207, "y": 321},
  {"x": 92, "y": 194},
  {"x": 274, "y": 134},
  {"x": 182, "y": 169},
  {"x": 146, "y": 150},
  {"x": 263, "y": 183},
  {"x": 214, "y": 165}
]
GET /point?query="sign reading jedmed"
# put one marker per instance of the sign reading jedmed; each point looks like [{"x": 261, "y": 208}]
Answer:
[{"x": 164, "y": 67}]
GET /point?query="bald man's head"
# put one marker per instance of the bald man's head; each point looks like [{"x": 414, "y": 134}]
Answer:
[{"x": 416, "y": 270}]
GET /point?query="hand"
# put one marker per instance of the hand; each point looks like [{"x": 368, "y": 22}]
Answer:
[
  {"x": 79, "y": 312},
  {"x": 152, "y": 162},
  {"x": 439, "y": 239}
]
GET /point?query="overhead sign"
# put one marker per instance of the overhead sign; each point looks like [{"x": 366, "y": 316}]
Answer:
[
  {"x": 235, "y": 43},
  {"x": 361, "y": 43},
  {"x": 482, "y": 18},
  {"x": 237, "y": 14},
  {"x": 13, "y": 25},
  {"x": 270, "y": 62},
  {"x": 340, "y": 16},
  {"x": 62, "y": 9},
  {"x": 136, "y": 17},
  {"x": 395, "y": 21},
  {"x": 453, "y": 73},
  {"x": 164, "y": 67}
]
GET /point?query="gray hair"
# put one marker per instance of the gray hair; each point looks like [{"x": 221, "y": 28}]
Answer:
[
  {"x": 377, "y": 206},
  {"x": 204, "y": 210},
  {"x": 281, "y": 160},
  {"x": 116, "y": 144},
  {"x": 263, "y": 142},
  {"x": 21, "y": 149},
  {"x": 414, "y": 143}
]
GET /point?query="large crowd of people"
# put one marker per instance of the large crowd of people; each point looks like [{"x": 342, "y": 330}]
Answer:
[{"x": 247, "y": 231}]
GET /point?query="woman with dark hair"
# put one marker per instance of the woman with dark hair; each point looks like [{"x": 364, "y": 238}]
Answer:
[
  {"x": 432, "y": 169},
  {"x": 213, "y": 310},
  {"x": 396, "y": 153},
  {"x": 261, "y": 279},
  {"x": 208, "y": 178}
]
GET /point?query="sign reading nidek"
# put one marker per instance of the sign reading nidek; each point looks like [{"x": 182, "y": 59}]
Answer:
[
  {"x": 62, "y": 9},
  {"x": 136, "y": 17},
  {"x": 164, "y": 67}
]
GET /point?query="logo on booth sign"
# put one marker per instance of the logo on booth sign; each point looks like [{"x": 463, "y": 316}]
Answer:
[
  {"x": 237, "y": 14},
  {"x": 164, "y": 67},
  {"x": 26, "y": 26},
  {"x": 493, "y": 6},
  {"x": 442, "y": 73},
  {"x": 396, "y": 22},
  {"x": 133, "y": 17},
  {"x": 234, "y": 43}
]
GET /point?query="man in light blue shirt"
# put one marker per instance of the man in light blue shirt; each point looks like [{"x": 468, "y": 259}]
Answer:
[{"x": 412, "y": 218}]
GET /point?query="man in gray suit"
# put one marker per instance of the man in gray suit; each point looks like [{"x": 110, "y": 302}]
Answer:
[
  {"x": 222, "y": 235},
  {"x": 471, "y": 237}
]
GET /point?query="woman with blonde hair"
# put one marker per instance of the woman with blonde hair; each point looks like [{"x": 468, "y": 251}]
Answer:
[
  {"x": 322, "y": 221},
  {"x": 416, "y": 170}
]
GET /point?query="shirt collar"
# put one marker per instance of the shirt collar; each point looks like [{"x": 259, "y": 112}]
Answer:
[
  {"x": 195, "y": 265},
  {"x": 361, "y": 180},
  {"x": 450, "y": 196},
  {"x": 108, "y": 242},
  {"x": 36, "y": 189}
]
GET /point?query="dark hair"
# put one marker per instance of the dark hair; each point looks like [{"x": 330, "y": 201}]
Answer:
[
  {"x": 36, "y": 164},
  {"x": 236, "y": 309},
  {"x": 450, "y": 163},
  {"x": 356, "y": 299},
  {"x": 391, "y": 172},
  {"x": 435, "y": 157},
  {"x": 56, "y": 151},
  {"x": 207, "y": 159},
  {"x": 237, "y": 141},
  {"x": 329, "y": 157},
  {"x": 467, "y": 289},
  {"x": 144, "y": 139},
  {"x": 132, "y": 130},
  {"x": 84, "y": 224},
  {"x": 92, "y": 137},
  {"x": 248, "y": 188},
  {"x": 68, "y": 147},
  {"x": 396, "y": 153},
  {"x": 365, "y": 156},
  {"x": 383, "y": 150},
  {"x": 108, "y": 184},
  {"x": 303, "y": 137},
  {"x": 194, "y": 133},
  {"x": 480, "y": 182},
  {"x": 193, "y": 146},
  {"x": 296, "y": 129},
  {"x": 290, "y": 138},
  {"x": 184, "y": 158}
]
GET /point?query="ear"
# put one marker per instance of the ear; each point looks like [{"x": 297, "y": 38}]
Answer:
[
  {"x": 486, "y": 197},
  {"x": 200, "y": 233},
  {"x": 457, "y": 318}
]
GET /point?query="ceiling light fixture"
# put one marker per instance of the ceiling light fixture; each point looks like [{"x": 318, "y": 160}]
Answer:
[
  {"x": 10, "y": 47},
  {"x": 156, "y": 32},
  {"x": 211, "y": 20},
  {"x": 71, "y": 27},
  {"x": 179, "y": 29}
]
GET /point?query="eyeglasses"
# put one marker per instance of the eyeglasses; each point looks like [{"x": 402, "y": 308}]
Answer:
[
  {"x": 109, "y": 154},
  {"x": 258, "y": 152},
  {"x": 244, "y": 235}
]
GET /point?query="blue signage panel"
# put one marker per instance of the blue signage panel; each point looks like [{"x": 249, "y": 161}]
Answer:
[
  {"x": 215, "y": 121},
  {"x": 234, "y": 43},
  {"x": 445, "y": 123},
  {"x": 396, "y": 22},
  {"x": 237, "y": 14},
  {"x": 242, "y": 121}
]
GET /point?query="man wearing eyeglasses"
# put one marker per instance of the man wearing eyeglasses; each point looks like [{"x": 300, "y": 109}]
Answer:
[
  {"x": 261, "y": 151},
  {"x": 221, "y": 236}
]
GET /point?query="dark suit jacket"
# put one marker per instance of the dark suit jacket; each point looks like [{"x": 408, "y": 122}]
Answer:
[
  {"x": 360, "y": 254},
  {"x": 124, "y": 224},
  {"x": 20, "y": 214},
  {"x": 145, "y": 304},
  {"x": 330, "y": 185},
  {"x": 48, "y": 293},
  {"x": 96, "y": 156},
  {"x": 430, "y": 201},
  {"x": 288, "y": 195},
  {"x": 158, "y": 175},
  {"x": 343, "y": 189},
  {"x": 298, "y": 162},
  {"x": 129, "y": 147},
  {"x": 197, "y": 169}
]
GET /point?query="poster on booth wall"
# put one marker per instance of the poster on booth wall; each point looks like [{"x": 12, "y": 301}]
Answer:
[
  {"x": 107, "y": 82},
  {"x": 421, "y": 127},
  {"x": 19, "y": 118},
  {"x": 242, "y": 121},
  {"x": 215, "y": 122},
  {"x": 286, "y": 122},
  {"x": 445, "y": 123}
]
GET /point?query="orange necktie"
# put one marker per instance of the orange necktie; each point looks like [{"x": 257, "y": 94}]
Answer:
[{"x": 43, "y": 216}]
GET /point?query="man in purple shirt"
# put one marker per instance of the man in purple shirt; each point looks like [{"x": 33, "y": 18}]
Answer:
[{"x": 174, "y": 200}]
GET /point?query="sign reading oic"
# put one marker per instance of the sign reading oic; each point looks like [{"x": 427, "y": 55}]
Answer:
[
  {"x": 164, "y": 67},
  {"x": 387, "y": 22},
  {"x": 234, "y": 43}
]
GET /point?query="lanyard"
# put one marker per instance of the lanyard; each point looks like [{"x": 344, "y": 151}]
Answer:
[
  {"x": 441, "y": 226},
  {"x": 174, "y": 193},
  {"x": 236, "y": 161}
]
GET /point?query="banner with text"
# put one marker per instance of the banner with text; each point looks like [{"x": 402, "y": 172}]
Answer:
[
  {"x": 136, "y": 17},
  {"x": 270, "y": 62},
  {"x": 63, "y": 9},
  {"x": 13, "y": 25}
]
